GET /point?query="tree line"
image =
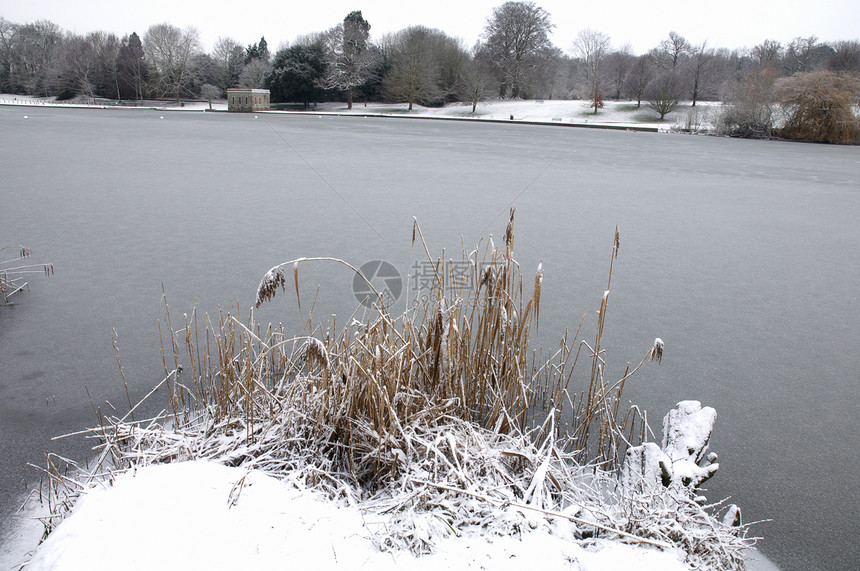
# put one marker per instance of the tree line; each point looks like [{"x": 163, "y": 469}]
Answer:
[{"x": 514, "y": 58}]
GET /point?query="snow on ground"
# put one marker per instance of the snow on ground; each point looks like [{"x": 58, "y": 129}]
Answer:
[
  {"x": 623, "y": 114},
  {"x": 200, "y": 515},
  {"x": 30, "y": 101},
  {"x": 573, "y": 112}
]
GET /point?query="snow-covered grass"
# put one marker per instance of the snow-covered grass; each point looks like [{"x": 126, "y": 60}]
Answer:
[
  {"x": 619, "y": 114},
  {"x": 427, "y": 438},
  {"x": 616, "y": 114},
  {"x": 101, "y": 103}
]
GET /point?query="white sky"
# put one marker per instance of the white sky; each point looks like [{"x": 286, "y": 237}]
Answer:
[{"x": 642, "y": 23}]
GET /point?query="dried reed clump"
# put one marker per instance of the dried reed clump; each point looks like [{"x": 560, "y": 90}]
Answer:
[
  {"x": 13, "y": 274},
  {"x": 436, "y": 419}
]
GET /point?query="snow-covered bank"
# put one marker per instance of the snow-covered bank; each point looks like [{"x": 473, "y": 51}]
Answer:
[
  {"x": 84, "y": 103},
  {"x": 243, "y": 517},
  {"x": 616, "y": 114},
  {"x": 622, "y": 114},
  {"x": 201, "y": 515}
]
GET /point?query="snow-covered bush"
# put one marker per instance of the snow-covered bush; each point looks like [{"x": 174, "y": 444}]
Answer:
[{"x": 659, "y": 491}]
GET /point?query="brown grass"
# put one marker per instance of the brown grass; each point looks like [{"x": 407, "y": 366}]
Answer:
[{"x": 463, "y": 353}]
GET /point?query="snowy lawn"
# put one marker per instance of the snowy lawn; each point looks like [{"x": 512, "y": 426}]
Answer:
[
  {"x": 575, "y": 112},
  {"x": 572, "y": 112}
]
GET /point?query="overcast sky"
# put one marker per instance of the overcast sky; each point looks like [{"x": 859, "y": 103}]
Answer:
[{"x": 641, "y": 23}]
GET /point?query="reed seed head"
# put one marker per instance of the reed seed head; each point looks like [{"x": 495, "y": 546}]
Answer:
[
  {"x": 657, "y": 350},
  {"x": 269, "y": 285},
  {"x": 316, "y": 354},
  {"x": 616, "y": 244},
  {"x": 509, "y": 231},
  {"x": 489, "y": 278}
]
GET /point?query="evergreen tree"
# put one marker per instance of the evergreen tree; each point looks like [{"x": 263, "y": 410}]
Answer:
[
  {"x": 296, "y": 74},
  {"x": 132, "y": 71}
]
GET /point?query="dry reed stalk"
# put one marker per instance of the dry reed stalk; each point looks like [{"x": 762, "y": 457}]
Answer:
[{"x": 12, "y": 277}]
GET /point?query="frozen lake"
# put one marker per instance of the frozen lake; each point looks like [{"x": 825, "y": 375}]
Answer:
[{"x": 741, "y": 255}]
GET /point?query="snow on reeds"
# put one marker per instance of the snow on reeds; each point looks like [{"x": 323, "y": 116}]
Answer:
[
  {"x": 13, "y": 272},
  {"x": 434, "y": 420}
]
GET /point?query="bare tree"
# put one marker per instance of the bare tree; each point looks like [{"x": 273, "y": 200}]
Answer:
[
  {"x": 38, "y": 53},
  {"x": 517, "y": 39},
  {"x": 800, "y": 55},
  {"x": 203, "y": 70},
  {"x": 476, "y": 80},
  {"x": 254, "y": 74},
  {"x": 698, "y": 70},
  {"x": 749, "y": 104},
  {"x": 592, "y": 47},
  {"x": 846, "y": 56},
  {"x": 170, "y": 52},
  {"x": 106, "y": 48},
  {"x": 640, "y": 75},
  {"x": 618, "y": 64},
  {"x": 672, "y": 51},
  {"x": 414, "y": 68},
  {"x": 79, "y": 67},
  {"x": 229, "y": 56},
  {"x": 451, "y": 55},
  {"x": 663, "y": 93},
  {"x": 210, "y": 92},
  {"x": 90, "y": 65},
  {"x": 8, "y": 55},
  {"x": 767, "y": 54},
  {"x": 351, "y": 59},
  {"x": 549, "y": 74}
]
